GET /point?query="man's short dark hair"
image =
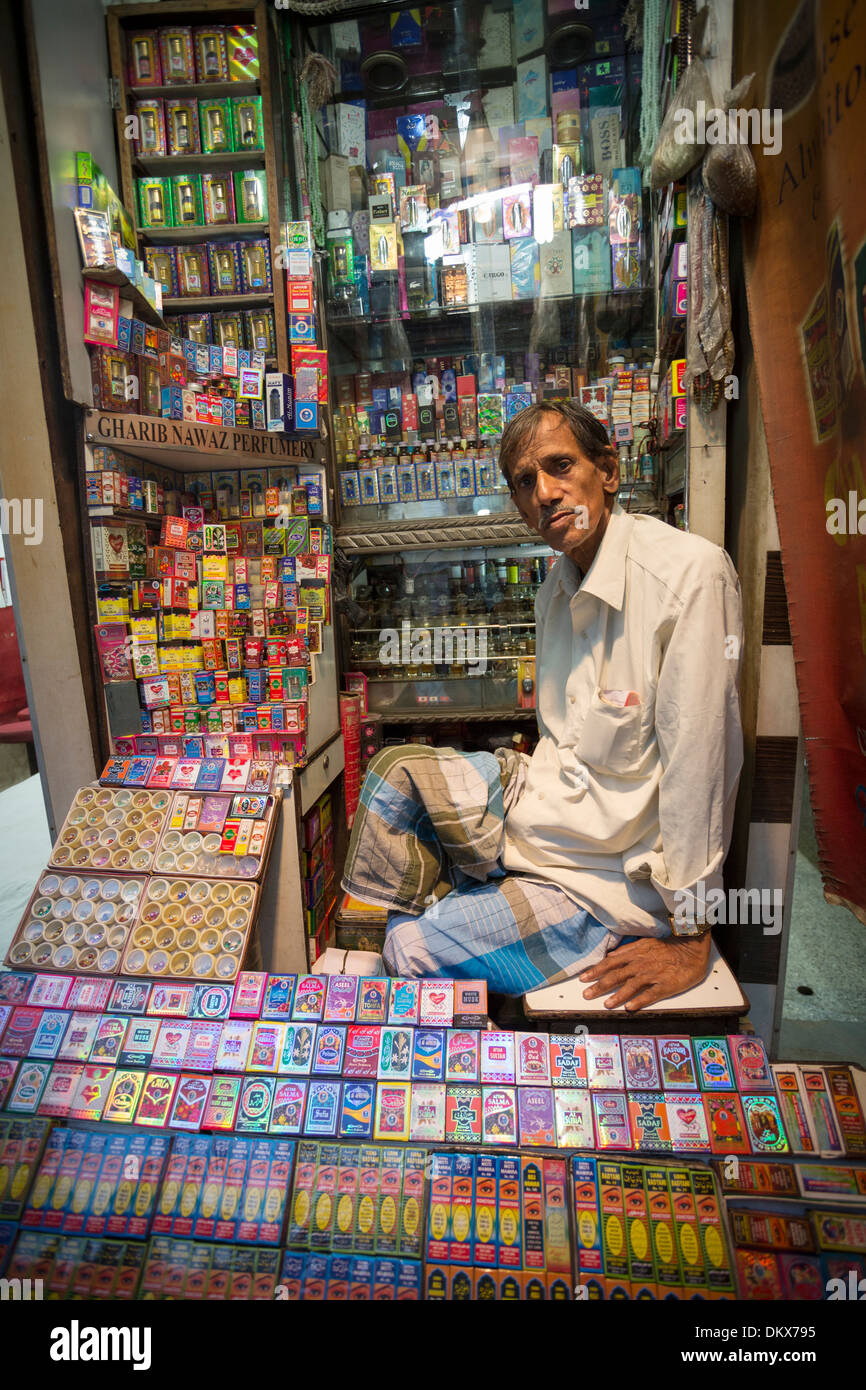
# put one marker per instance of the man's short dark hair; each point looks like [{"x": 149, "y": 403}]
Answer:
[{"x": 588, "y": 431}]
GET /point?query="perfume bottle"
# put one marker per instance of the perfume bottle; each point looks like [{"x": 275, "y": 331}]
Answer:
[
  {"x": 248, "y": 131},
  {"x": 252, "y": 202},
  {"x": 187, "y": 203},
  {"x": 210, "y": 56},
  {"x": 176, "y": 60},
  {"x": 193, "y": 271},
  {"x": 141, "y": 60},
  {"x": 225, "y": 270},
  {"x": 255, "y": 267},
  {"x": 162, "y": 272},
  {"x": 117, "y": 380},
  {"x": 155, "y": 206},
  {"x": 149, "y": 132},
  {"x": 182, "y": 131},
  {"x": 219, "y": 200},
  {"x": 260, "y": 334},
  {"x": 216, "y": 128}
]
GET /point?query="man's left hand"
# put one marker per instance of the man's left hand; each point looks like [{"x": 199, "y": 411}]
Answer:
[{"x": 643, "y": 972}]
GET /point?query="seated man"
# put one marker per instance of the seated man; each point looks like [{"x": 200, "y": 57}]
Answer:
[{"x": 585, "y": 859}]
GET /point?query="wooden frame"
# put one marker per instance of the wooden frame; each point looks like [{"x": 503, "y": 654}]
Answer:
[{"x": 120, "y": 17}]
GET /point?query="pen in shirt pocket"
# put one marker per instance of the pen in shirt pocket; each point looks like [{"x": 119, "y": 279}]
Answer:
[{"x": 620, "y": 698}]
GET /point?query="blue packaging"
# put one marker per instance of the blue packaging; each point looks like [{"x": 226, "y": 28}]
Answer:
[
  {"x": 361, "y": 1278},
  {"x": 408, "y": 1281},
  {"x": 356, "y": 1111},
  {"x": 428, "y": 1055},
  {"x": 171, "y": 398},
  {"x": 306, "y": 415}
]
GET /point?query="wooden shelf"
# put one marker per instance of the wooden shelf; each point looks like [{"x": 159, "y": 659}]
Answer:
[
  {"x": 232, "y": 229},
  {"x": 215, "y": 301},
  {"x": 157, "y": 164},
  {"x": 195, "y": 89},
  {"x": 441, "y": 715},
  {"x": 143, "y": 307},
  {"x": 123, "y": 18}
]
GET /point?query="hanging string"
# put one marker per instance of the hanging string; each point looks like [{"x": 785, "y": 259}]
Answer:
[
  {"x": 650, "y": 112},
  {"x": 316, "y": 85}
]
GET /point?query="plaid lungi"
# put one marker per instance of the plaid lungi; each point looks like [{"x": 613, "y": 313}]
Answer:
[{"x": 426, "y": 843}]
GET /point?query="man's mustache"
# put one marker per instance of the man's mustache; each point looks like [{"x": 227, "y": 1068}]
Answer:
[{"x": 548, "y": 513}]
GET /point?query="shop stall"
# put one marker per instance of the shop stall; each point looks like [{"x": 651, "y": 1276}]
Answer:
[{"x": 330, "y": 260}]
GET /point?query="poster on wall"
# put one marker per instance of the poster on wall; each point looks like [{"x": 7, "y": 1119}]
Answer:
[{"x": 805, "y": 259}]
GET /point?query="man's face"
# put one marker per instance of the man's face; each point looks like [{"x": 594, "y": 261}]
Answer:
[{"x": 552, "y": 477}]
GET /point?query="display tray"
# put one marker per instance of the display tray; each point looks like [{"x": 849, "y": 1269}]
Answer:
[
  {"x": 77, "y": 922},
  {"x": 192, "y": 929},
  {"x": 111, "y": 829},
  {"x": 200, "y": 823}
]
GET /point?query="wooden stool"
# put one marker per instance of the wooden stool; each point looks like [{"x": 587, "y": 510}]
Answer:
[{"x": 718, "y": 1000}]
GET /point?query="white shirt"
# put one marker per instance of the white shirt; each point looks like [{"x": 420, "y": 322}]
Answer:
[{"x": 627, "y": 805}]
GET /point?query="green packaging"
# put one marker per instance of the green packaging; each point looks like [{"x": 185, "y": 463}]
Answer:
[
  {"x": 215, "y": 120},
  {"x": 251, "y": 195},
  {"x": 248, "y": 130},
  {"x": 186, "y": 200},
  {"x": 154, "y": 201}
]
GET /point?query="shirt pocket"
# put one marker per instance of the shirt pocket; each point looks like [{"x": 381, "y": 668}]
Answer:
[{"x": 610, "y": 740}]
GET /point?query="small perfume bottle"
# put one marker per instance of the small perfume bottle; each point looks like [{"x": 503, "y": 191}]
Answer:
[
  {"x": 210, "y": 56},
  {"x": 219, "y": 200},
  {"x": 149, "y": 132},
  {"x": 225, "y": 270},
  {"x": 260, "y": 335},
  {"x": 256, "y": 268},
  {"x": 216, "y": 128},
  {"x": 187, "y": 203},
  {"x": 176, "y": 60},
  {"x": 117, "y": 380},
  {"x": 194, "y": 271},
  {"x": 141, "y": 60},
  {"x": 182, "y": 131},
  {"x": 252, "y": 204},
  {"x": 155, "y": 206},
  {"x": 248, "y": 126}
]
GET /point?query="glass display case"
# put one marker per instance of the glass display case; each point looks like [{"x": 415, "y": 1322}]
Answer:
[
  {"x": 488, "y": 242},
  {"x": 448, "y": 633}
]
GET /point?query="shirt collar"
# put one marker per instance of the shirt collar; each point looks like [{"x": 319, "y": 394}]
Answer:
[{"x": 605, "y": 578}]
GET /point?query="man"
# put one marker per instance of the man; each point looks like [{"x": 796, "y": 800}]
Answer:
[{"x": 627, "y": 802}]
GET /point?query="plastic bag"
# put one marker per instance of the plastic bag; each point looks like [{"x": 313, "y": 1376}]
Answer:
[
  {"x": 728, "y": 171},
  {"x": 677, "y": 148}
]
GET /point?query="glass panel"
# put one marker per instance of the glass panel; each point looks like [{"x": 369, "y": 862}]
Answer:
[
  {"x": 487, "y": 245},
  {"x": 448, "y": 630}
]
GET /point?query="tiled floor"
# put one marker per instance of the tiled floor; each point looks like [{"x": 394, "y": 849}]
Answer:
[{"x": 826, "y": 952}]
